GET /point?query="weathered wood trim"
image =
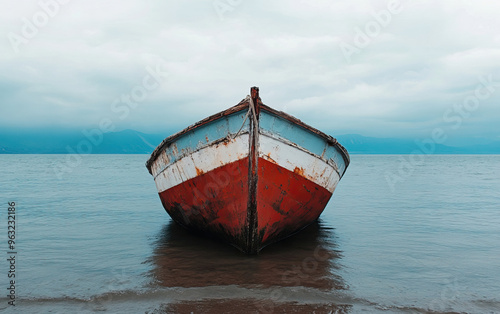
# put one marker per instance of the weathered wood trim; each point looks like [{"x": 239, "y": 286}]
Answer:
[
  {"x": 253, "y": 244},
  {"x": 329, "y": 139},
  {"x": 242, "y": 105},
  {"x": 239, "y": 107}
]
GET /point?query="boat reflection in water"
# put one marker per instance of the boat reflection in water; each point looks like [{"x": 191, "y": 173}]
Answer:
[{"x": 299, "y": 274}]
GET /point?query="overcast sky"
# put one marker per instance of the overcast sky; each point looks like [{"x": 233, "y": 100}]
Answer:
[{"x": 376, "y": 68}]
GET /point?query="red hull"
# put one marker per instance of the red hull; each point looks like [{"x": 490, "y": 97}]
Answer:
[
  {"x": 249, "y": 175},
  {"x": 216, "y": 203},
  {"x": 286, "y": 202}
]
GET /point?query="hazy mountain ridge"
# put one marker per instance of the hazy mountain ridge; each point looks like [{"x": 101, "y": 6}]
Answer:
[
  {"x": 358, "y": 144},
  {"x": 123, "y": 142},
  {"x": 134, "y": 142}
]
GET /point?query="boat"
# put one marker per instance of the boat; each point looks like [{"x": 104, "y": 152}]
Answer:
[{"x": 249, "y": 175}]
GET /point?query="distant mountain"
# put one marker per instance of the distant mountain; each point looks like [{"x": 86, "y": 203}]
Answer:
[
  {"x": 93, "y": 142},
  {"x": 358, "y": 144},
  {"x": 133, "y": 142}
]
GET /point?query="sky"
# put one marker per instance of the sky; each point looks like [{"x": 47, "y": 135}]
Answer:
[{"x": 376, "y": 68}]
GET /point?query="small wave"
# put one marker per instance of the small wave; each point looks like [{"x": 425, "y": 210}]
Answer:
[
  {"x": 167, "y": 300},
  {"x": 488, "y": 305}
]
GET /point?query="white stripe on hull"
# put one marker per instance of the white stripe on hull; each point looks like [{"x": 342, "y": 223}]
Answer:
[
  {"x": 271, "y": 149},
  {"x": 203, "y": 160},
  {"x": 297, "y": 160}
]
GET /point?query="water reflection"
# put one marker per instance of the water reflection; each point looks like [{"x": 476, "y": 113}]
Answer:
[
  {"x": 308, "y": 260},
  {"x": 249, "y": 306}
]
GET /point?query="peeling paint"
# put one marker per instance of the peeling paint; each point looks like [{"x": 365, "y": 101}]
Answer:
[
  {"x": 269, "y": 158},
  {"x": 278, "y": 187},
  {"x": 299, "y": 171},
  {"x": 199, "y": 172}
]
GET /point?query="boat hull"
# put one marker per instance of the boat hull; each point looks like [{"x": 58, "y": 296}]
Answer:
[
  {"x": 249, "y": 181},
  {"x": 213, "y": 203}
]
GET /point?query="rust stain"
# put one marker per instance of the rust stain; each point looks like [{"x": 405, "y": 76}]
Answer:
[
  {"x": 323, "y": 173},
  {"x": 324, "y": 152},
  {"x": 299, "y": 171},
  {"x": 174, "y": 149},
  {"x": 199, "y": 172},
  {"x": 268, "y": 157},
  {"x": 241, "y": 106}
]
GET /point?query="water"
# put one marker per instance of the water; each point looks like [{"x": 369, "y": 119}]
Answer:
[{"x": 98, "y": 240}]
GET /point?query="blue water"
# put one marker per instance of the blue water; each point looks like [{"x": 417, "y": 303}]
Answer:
[{"x": 98, "y": 240}]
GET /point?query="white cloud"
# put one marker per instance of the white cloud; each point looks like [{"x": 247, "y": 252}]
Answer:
[{"x": 426, "y": 58}]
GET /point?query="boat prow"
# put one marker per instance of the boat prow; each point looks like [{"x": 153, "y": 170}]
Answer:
[{"x": 249, "y": 175}]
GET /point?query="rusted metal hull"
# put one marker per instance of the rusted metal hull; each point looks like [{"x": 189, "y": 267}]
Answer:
[{"x": 249, "y": 175}]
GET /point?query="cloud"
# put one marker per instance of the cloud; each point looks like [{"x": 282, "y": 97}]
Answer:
[{"x": 417, "y": 64}]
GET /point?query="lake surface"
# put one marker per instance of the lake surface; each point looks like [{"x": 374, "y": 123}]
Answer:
[{"x": 97, "y": 239}]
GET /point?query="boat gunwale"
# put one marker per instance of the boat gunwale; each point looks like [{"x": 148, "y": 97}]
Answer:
[
  {"x": 182, "y": 156},
  {"x": 302, "y": 149},
  {"x": 328, "y": 138},
  {"x": 239, "y": 107}
]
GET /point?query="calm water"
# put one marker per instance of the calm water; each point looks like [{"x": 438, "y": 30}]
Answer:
[{"x": 98, "y": 240}]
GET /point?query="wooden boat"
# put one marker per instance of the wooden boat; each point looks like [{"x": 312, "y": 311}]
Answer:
[{"x": 250, "y": 175}]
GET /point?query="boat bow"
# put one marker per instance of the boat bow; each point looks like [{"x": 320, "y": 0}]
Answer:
[{"x": 250, "y": 175}]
